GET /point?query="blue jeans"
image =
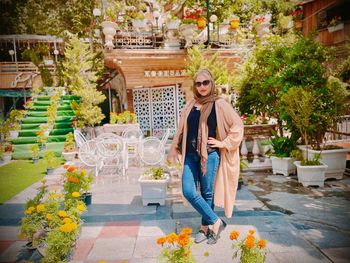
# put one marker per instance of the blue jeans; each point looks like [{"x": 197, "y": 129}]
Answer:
[{"x": 192, "y": 174}]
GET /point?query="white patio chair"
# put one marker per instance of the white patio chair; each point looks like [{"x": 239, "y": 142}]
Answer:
[
  {"x": 79, "y": 138},
  {"x": 151, "y": 151},
  {"x": 132, "y": 137},
  {"x": 89, "y": 156},
  {"x": 110, "y": 153},
  {"x": 165, "y": 136}
]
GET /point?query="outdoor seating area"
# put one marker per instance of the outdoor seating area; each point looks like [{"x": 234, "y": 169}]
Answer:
[{"x": 175, "y": 131}]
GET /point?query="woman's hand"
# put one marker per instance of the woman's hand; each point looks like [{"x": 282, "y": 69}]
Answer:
[
  {"x": 173, "y": 156},
  {"x": 214, "y": 143}
]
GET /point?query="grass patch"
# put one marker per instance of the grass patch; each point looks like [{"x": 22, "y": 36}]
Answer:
[{"x": 18, "y": 175}]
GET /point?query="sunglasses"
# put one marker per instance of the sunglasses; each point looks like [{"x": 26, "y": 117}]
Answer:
[{"x": 204, "y": 83}]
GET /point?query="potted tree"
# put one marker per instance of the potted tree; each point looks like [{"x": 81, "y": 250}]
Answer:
[
  {"x": 282, "y": 162},
  {"x": 154, "y": 183},
  {"x": 51, "y": 161},
  {"x": 69, "y": 150},
  {"x": 300, "y": 104},
  {"x": 35, "y": 153}
]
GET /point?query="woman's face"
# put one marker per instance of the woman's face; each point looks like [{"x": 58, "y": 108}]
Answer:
[{"x": 203, "y": 85}]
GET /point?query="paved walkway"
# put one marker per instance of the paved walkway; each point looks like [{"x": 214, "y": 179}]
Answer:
[{"x": 300, "y": 224}]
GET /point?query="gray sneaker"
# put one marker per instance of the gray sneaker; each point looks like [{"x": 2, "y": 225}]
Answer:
[{"x": 201, "y": 236}]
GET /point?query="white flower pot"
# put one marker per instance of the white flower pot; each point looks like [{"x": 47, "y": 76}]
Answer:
[
  {"x": 173, "y": 24},
  {"x": 68, "y": 156},
  {"x": 311, "y": 174},
  {"x": 14, "y": 134},
  {"x": 283, "y": 165},
  {"x": 336, "y": 28},
  {"x": 6, "y": 157},
  {"x": 153, "y": 191},
  {"x": 334, "y": 159}
]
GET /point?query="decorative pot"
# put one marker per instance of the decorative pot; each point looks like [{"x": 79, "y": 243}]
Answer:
[
  {"x": 87, "y": 198},
  {"x": 14, "y": 134},
  {"x": 173, "y": 24},
  {"x": 336, "y": 28},
  {"x": 283, "y": 165},
  {"x": 6, "y": 157},
  {"x": 153, "y": 191},
  {"x": 69, "y": 156},
  {"x": 187, "y": 31},
  {"x": 109, "y": 30},
  {"x": 311, "y": 174}
]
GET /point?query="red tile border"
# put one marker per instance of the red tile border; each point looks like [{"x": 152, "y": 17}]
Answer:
[
  {"x": 5, "y": 244},
  {"x": 120, "y": 229},
  {"x": 83, "y": 248}
]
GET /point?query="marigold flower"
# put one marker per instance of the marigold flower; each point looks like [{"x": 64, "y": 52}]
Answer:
[
  {"x": 262, "y": 243},
  {"x": 73, "y": 179},
  {"x": 75, "y": 194},
  {"x": 234, "y": 235},
  {"x": 251, "y": 232},
  {"x": 161, "y": 240},
  {"x": 27, "y": 212},
  {"x": 65, "y": 166},
  {"x": 187, "y": 231},
  {"x": 67, "y": 220},
  {"x": 249, "y": 243},
  {"x": 81, "y": 207},
  {"x": 183, "y": 239},
  {"x": 70, "y": 169},
  {"x": 74, "y": 225},
  {"x": 52, "y": 196},
  {"x": 66, "y": 228},
  {"x": 40, "y": 208},
  {"x": 59, "y": 195},
  {"x": 62, "y": 213},
  {"x": 172, "y": 238},
  {"x": 49, "y": 217}
]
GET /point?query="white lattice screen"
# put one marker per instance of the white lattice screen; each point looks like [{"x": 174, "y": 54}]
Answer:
[{"x": 158, "y": 108}]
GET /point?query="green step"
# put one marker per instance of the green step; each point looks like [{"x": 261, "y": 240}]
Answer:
[
  {"x": 28, "y": 140},
  {"x": 36, "y": 126},
  {"x": 44, "y": 108},
  {"x": 42, "y": 103},
  {"x": 34, "y": 120},
  {"x": 70, "y": 97},
  {"x": 22, "y": 151},
  {"x": 41, "y": 98},
  {"x": 43, "y": 113},
  {"x": 30, "y": 133}
]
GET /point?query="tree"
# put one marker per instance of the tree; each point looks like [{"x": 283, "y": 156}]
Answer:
[{"x": 81, "y": 80}]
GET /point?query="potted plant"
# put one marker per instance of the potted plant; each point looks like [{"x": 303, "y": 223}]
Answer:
[
  {"x": 6, "y": 150},
  {"x": 335, "y": 24},
  {"x": 69, "y": 150},
  {"x": 282, "y": 162},
  {"x": 35, "y": 152},
  {"x": 51, "y": 161},
  {"x": 154, "y": 183},
  {"x": 13, "y": 123},
  {"x": 300, "y": 104}
]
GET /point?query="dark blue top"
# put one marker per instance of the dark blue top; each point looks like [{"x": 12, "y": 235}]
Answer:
[{"x": 192, "y": 131}]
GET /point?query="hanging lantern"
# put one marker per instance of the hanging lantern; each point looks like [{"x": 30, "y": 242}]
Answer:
[
  {"x": 201, "y": 23},
  {"x": 56, "y": 52},
  {"x": 234, "y": 23}
]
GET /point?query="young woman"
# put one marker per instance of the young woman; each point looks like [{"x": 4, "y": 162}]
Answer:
[{"x": 208, "y": 138}]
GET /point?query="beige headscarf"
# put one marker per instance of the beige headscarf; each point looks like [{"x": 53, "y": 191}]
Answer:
[{"x": 207, "y": 103}]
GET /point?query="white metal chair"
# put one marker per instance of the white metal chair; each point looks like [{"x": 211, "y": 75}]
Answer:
[
  {"x": 151, "y": 151},
  {"x": 132, "y": 137},
  {"x": 110, "y": 141},
  {"x": 88, "y": 155},
  {"x": 165, "y": 136},
  {"x": 79, "y": 138}
]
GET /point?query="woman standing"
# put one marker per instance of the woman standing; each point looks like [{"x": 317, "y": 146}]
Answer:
[{"x": 208, "y": 138}]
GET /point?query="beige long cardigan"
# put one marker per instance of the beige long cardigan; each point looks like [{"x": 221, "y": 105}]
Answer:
[{"x": 226, "y": 180}]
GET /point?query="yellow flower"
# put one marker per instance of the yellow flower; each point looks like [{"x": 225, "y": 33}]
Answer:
[
  {"x": 75, "y": 194},
  {"x": 172, "y": 237},
  {"x": 67, "y": 220},
  {"x": 65, "y": 228},
  {"x": 59, "y": 195},
  {"x": 81, "y": 207},
  {"x": 31, "y": 209},
  {"x": 62, "y": 213},
  {"x": 186, "y": 231},
  {"x": 249, "y": 243},
  {"x": 52, "y": 196},
  {"x": 251, "y": 232},
  {"x": 40, "y": 208},
  {"x": 74, "y": 225},
  {"x": 27, "y": 212},
  {"x": 161, "y": 240},
  {"x": 206, "y": 254},
  {"x": 101, "y": 261},
  {"x": 83, "y": 172},
  {"x": 234, "y": 235},
  {"x": 262, "y": 243},
  {"x": 49, "y": 217}
]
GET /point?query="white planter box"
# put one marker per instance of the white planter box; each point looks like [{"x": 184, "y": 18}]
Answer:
[
  {"x": 311, "y": 174},
  {"x": 6, "y": 157},
  {"x": 283, "y": 166},
  {"x": 334, "y": 159},
  {"x": 336, "y": 28},
  {"x": 153, "y": 191}
]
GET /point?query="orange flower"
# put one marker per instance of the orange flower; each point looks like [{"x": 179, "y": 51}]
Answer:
[
  {"x": 65, "y": 166},
  {"x": 172, "y": 237},
  {"x": 71, "y": 169},
  {"x": 262, "y": 243},
  {"x": 234, "y": 235},
  {"x": 186, "y": 231},
  {"x": 183, "y": 239},
  {"x": 251, "y": 232},
  {"x": 73, "y": 179},
  {"x": 187, "y": 253},
  {"x": 249, "y": 243},
  {"x": 161, "y": 240}
]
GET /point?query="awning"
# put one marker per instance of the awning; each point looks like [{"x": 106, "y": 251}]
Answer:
[{"x": 14, "y": 93}]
